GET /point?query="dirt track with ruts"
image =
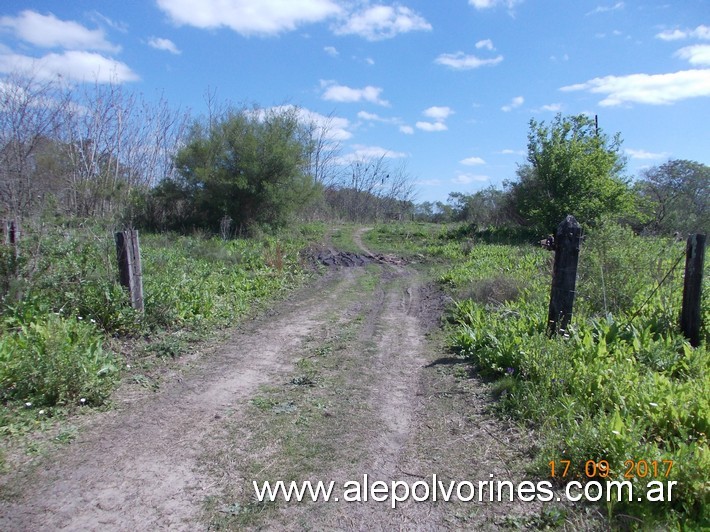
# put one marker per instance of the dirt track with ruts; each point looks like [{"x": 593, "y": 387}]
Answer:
[{"x": 346, "y": 377}]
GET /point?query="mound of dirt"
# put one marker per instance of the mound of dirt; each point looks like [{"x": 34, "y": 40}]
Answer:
[
  {"x": 342, "y": 258},
  {"x": 345, "y": 258}
]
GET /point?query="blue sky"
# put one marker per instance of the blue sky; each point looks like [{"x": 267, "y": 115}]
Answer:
[{"x": 447, "y": 87}]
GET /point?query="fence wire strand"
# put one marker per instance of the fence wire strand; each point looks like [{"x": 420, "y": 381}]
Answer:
[{"x": 658, "y": 286}]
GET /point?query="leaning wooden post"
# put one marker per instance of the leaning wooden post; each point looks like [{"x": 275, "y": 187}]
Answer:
[
  {"x": 692, "y": 288},
  {"x": 11, "y": 230},
  {"x": 567, "y": 242},
  {"x": 129, "y": 266}
]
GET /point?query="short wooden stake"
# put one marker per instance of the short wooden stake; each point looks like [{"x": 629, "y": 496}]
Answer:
[
  {"x": 692, "y": 288},
  {"x": 567, "y": 242},
  {"x": 129, "y": 266}
]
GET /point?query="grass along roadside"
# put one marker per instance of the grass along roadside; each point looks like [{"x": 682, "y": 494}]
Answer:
[
  {"x": 69, "y": 335},
  {"x": 622, "y": 386},
  {"x": 322, "y": 422}
]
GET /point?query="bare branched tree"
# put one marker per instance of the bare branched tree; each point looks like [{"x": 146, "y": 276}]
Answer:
[
  {"x": 30, "y": 112},
  {"x": 87, "y": 147},
  {"x": 371, "y": 189},
  {"x": 116, "y": 142},
  {"x": 325, "y": 149}
]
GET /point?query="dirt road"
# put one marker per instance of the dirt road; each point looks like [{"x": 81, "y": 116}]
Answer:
[{"x": 342, "y": 379}]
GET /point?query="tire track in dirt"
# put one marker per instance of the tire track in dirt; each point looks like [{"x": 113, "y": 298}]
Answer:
[
  {"x": 135, "y": 467},
  {"x": 393, "y": 375},
  {"x": 398, "y": 361},
  {"x": 418, "y": 420},
  {"x": 388, "y": 356}
]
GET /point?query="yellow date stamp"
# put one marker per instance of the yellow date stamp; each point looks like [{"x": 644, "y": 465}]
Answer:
[{"x": 601, "y": 469}]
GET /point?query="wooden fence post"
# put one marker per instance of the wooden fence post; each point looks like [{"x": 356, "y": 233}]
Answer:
[
  {"x": 567, "y": 242},
  {"x": 692, "y": 288},
  {"x": 129, "y": 266},
  {"x": 11, "y": 230}
]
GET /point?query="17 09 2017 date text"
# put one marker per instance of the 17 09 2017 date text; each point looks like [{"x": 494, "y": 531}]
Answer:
[{"x": 601, "y": 469}]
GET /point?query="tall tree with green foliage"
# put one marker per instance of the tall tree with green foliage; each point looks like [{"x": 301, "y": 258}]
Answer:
[
  {"x": 248, "y": 165},
  {"x": 573, "y": 168},
  {"x": 675, "y": 194}
]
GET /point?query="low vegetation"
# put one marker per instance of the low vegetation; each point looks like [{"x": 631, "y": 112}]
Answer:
[
  {"x": 63, "y": 308},
  {"x": 622, "y": 387}
]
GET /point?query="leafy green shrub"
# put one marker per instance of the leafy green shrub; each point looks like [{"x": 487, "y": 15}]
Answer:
[
  {"x": 72, "y": 272},
  {"x": 56, "y": 361},
  {"x": 498, "y": 289}
]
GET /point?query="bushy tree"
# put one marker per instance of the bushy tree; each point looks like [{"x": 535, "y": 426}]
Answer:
[
  {"x": 573, "y": 168},
  {"x": 435, "y": 212},
  {"x": 675, "y": 196},
  {"x": 248, "y": 165}
]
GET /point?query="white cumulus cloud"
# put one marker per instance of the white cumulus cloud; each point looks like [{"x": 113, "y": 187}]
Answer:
[
  {"x": 163, "y": 44},
  {"x": 379, "y": 22},
  {"x": 514, "y": 104},
  {"x": 472, "y": 161},
  {"x": 438, "y": 112},
  {"x": 644, "y": 155},
  {"x": 431, "y": 126},
  {"x": 698, "y": 54},
  {"x": 466, "y": 179},
  {"x": 552, "y": 107},
  {"x": 342, "y": 93},
  {"x": 606, "y": 9},
  {"x": 367, "y": 153},
  {"x": 370, "y": 117},
  {"x": 488, "y": 4},
  {"x": 701, "y": 32},
  {"x": 652, "y": 89},
  {"x": 462, "y": 61},
  {"x": 486, "y": 43},
  {"x": 47, "y": 31},
  {"x": 331, "y": 128},
  {"x": 249, "y": 17},
  {"x": 74, "y": 65}
]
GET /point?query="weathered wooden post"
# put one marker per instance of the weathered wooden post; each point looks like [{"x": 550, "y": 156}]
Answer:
[
  {"x": 567, "y": 242},
  {"x": 692, "y": 288},
  {"x": 11, "y": 230},
  {"x": 129, "y": 266}
]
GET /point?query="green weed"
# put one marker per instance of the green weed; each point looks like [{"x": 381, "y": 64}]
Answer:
[
  {"x": 55, "y": 361},
  {"x": 622, "y": 384}
]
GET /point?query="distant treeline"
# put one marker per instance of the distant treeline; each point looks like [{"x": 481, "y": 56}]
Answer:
[
  {"x": 572, "y": 167},
  {"x": 104, "y": 152}
]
